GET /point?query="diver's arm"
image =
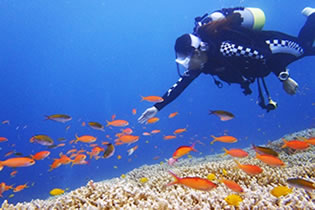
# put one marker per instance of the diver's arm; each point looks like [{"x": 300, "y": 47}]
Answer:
[
  {"x": 170, "y": 95},
  {"x": 177, "y": 88}
]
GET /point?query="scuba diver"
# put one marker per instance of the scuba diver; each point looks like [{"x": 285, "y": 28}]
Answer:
[{"x": 229, "y": 44}]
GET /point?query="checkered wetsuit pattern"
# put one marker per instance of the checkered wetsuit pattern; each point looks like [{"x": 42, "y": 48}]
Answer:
[
  {"x": 229, "y": 49},
  {"x": 285, "y": 46}
]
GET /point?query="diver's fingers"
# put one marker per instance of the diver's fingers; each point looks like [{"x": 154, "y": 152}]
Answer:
[{"x": 142, "y": 118}]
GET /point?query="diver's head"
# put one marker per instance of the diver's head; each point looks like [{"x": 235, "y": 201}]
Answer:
[{"x": 190, "y": 52}]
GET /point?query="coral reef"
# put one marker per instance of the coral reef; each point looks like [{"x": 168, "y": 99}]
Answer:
[{"x": 130, "y": 193}]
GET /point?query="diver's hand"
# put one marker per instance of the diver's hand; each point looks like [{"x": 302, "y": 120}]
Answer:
[
  {"x": 147, "y": 114},
  {"x": 290, "y": 86}
]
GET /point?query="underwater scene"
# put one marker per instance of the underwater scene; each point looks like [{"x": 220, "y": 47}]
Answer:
[{"x": 97, "y": 111}]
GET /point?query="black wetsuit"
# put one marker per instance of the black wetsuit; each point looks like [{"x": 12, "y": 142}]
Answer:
[{"x": 242, "y": 55}]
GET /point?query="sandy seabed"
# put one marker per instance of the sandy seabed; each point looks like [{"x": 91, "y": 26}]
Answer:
[{"x": 130, "y": 193}]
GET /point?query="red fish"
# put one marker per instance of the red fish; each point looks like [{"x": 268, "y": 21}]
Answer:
[
  {"x": 270, "y": 160},
  {"x": 126, "y": 139},
  {"x": 225, "y": 139},
  {"x": 172, "y": 114},
  {"x": 3, "y": 139},
  {"x": 117, "y": 123},
  {"x": 232, "y": 185},
  {"x": 155, "y": 99},
  {"x": 295, "y": 144},
  {"x": 40, "y": 155},
  {"x": 236, "y": 153},
  {"x": 193, "y": 182},
  {"x": 17, "y": 162},
  {"x": 249, "y": 169},
  {"x": 169, "y": 137}
]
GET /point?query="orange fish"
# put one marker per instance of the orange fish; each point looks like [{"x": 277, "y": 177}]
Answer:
[
  {"x": 270, "y": 159},
  {"x": 9, "y": 153},
  {"x": 193, "y": 182},
  {"x": 225, "y": 139},
  {"x": 85, "y": 139},
  {"x": 249, "y": 169},
  {"x": 118, "y": 157},
  {"x": 169, "y": 137},
  {"x": 127, "y": 139},
  {"x": 223, "y": 115},
  {"x": 127, "y": 131},
  {"x": 134, "y": 111},
  {"x": 13, "y": 173},
  {"x": 20, "y": 187},
  {"x": 155, "y": 99},
  {"x": 113, "y": 117},
  {"x": 2, "y": 188},
  {"x": 155, "y": 131},
  {"x": 117, "y": 123},
  {"x": 55, "y": 164},
  {"x": 40, "y": 155},
  {"x": 83, "y": 124},
  {"x": 232, "y": 185},
  {"x": 183, "y": 150},
  {"x": 95, "y": 152},
  {"x": 146, "y": 134},
  {"x": 71, "y": 151},
  {"x": 79, "y": 159},
  {"x": 295, "y": 144},
  {"x": 17, "y": 162},
  {"x": 152, "y": 120},
  {"x": 236, "y": 153},
  {"x": 172, "y": 114},
  {"x": 64, "y": 159},
  {"x": 180, "y": 130},
  {"x": 3, "y": 139},
  {"x": 6, "y": 122}
]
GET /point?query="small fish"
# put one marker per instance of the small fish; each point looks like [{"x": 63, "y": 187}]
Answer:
[
  {"x": 85, "y": 139},
  {"x": 224, "y": 172},
  {"x": 270, "y": 160},
  {"x": 96, "y": 126},
  {"x": 3, "y": 139},
  {"x": 295, "y": 144},
  {"x": 155, "y": 131},
  {"x": 79, "y": 160},
  {"x": 193, "y": 182},
  {"x": 59, "y": 117},
  {"x": 132, "y": 150},
  {"x": 146, "y": 134},
  {"x": 236, "y": 153},
  {"x": 42, "y": 139},
  {"x": 127, "y": 131},
  {"x": 20, "y": 187},
  {"x": 152, "y": 120},
  {"x": 169, "y": 137},
  {"x": 233, "y": 199},
  {"x": 56, "y": 191},
  {"x": 183, "y": 150},
  {"x": 249, "y": 169},
  {"x": 301, "y": 183},
  {"x": 113, "y": 117},
  {"x": 109, "y": 151},
  {"x": 223, "y": 115},
  {"x": 126, "y": 139},
  {"x": 225, "y": 139},
  {"x": 119, "y": 157},
  {"x": 40, "y": 155},
  {"x": 155, "y": 99},
  {"x": 143, "y": 180},
  {"x": 5, "y": 122},
  {"x": 11, "y": 196},
  {"x": 172, "y": 114},
  {"x": 13, "y": 173},
  {"x": 117, "y": 123},
  {"x": 232, "y": 185},
  {"x": 180, "y": 130},
  {"x": 134, "y": 111},
  {"x": 55, "y": 164},
  {"x": 123, "y": 176},
  {"x": 17, "y": 162},
  {"x": 265, "y": 150},
  {"x": 280, "y": 191},
  {"x": 95, "y": 152},
  {"x": 61, "y": 139}
]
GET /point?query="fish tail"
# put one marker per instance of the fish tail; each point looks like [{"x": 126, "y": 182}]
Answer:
[
  {"x": 1, "y": 166},
  {"x": 210, "y": 111},
  {"x": 285, "y": 143},
  {"x": 47, "y": 117},
  {"x": 238, "y": 163},
  {"x": 226, "y": 151},
  {"x": 193, "y": 147},
  {"x": 108, "y": 123},
  {"x": 214, "y": 139},
  {"x": 176, "y": 181},
  {"x": 142, "y": 98}
]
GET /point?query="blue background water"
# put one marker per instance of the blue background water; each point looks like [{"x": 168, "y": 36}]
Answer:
[{"x": 93, "y": 59}]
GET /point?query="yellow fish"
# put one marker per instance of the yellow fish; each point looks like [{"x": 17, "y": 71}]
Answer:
[
  {"x": 56, "y": 191},
  {"x": 233, "y": 199},
  {"x": 143, "y": 180},
  {"x": 280, "y": 191}
]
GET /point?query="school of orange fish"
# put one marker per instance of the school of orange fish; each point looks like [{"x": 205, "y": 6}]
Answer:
[{"x": 106, "y": 149}]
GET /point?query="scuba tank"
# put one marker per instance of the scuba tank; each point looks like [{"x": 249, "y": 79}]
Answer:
[{"x": 253, "y": 18}]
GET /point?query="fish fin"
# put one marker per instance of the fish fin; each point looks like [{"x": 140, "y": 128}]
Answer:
[
  {"x": 142, "y": 98},
  {"x": 1, "y": 167},
  {"x": 108, "y": 123},
  {"x": 210, "y": 111},
  {"x": 226, "y": 152},
  {"x": 193, "y": 147}
]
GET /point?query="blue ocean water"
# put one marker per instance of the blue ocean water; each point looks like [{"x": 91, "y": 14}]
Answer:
[{"x": 93, "y": 59}]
